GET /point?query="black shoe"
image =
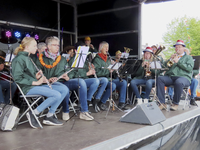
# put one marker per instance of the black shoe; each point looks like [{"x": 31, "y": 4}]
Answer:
[
  {"x": 32, "y": 121},
  {"x": 53, "y": 121},
  {"x": 197, "y": 98},
  {"x": 192, "y": 102},
  {"x": 102, "y": 106},
  {"x": 122, "y": 106},
  {"x": 94, "y": 104}
]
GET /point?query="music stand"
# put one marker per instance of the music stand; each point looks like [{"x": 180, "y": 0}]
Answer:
[
  {"x": 196, "y": 62},
  {"x": 111, "y": 101}
]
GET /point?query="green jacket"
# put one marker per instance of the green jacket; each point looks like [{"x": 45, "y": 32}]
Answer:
[
  {"x": 100, "y": 66},
  {"x": 23, "y": 71},
  {"x": 79, "y": 73},
  {"x": 141, "y": 72},
  {"x": 183, "y": 68},
  {"x": 56, "y": 71}
]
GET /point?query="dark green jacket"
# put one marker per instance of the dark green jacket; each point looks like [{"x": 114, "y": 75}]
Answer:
[
  {"x": 183, "y": 68},
  {"x": 23, "y": 71},
  {"x": 56, "y": 71},
  {"x": 81, "y": 72},
  {"x": 141, "y": 73},
  {"x": 100, "y": 66}
]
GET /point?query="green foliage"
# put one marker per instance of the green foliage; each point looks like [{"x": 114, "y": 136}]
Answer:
[{"x": 186, "y": 29}]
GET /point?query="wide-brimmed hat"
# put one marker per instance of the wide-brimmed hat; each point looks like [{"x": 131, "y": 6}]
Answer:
[
  {"x": 148, "y": 49},
  {"x": 179, "y": 42}
]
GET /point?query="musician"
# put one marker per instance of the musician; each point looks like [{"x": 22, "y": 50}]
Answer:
[
  {"x": 101, "y": 62},
  {"x": 193, "y": 85},
  {"x": 69, "y": 50},
  {"x": 41, "y": 47},
  {"x": 118, "y": 55},
  {"x": 32, "y": 82},
  {"x": 179, "y": 75},
  {"x": 88, "y": 43},
  {"x": 158, "y": 57},
  {"x": 5, "y": 90},
  {"x": 54, "y": 65},
  {"x": 144, "y": 75},
  {"x": 84, "y": 75}
]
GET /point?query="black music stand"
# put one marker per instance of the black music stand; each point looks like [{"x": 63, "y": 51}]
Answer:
[{"x": 196, "y": 62}]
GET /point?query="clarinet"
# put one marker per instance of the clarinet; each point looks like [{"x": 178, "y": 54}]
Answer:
[
  {"x": 92, "y": 68},
  {"x": 41, "y": 73},
  {"x": 120, "y": 79}
]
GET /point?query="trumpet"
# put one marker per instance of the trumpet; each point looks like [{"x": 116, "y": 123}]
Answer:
[
  {"x": 147, "y": 68},
  {"x": 171, "y": 61}
]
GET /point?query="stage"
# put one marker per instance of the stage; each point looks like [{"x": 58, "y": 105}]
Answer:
[{"x": 103, "y": 134}]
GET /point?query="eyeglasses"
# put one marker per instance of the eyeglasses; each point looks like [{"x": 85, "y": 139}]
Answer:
[{"x": 55, "y": 45}]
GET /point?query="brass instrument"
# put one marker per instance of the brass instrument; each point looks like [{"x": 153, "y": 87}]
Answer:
[
  {"x": 127, "y": 50},
  {"x": 147, "y": 68},
  {"x": 171, "y": 62},
  {"x": 160, "y": 49}
]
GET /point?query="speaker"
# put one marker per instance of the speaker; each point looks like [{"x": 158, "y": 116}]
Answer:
[{"x": 148, "y": 113}]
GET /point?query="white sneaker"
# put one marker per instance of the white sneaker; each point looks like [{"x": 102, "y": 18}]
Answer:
[
  {"x": 139, "y": 101},
  {"x": 146, "y": 100},
  {"x": 86, "y": 116},
  {"x": 65, "y": 116}
]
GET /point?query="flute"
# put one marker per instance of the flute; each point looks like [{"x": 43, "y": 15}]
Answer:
[
  {"x": 63, "y": 73},
  {"x": 41, "y": 73}
]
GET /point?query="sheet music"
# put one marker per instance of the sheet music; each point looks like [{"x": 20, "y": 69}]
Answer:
[
  {"x": 158, "y": 65},
  {"x": 79, "y": 60},
  {"x": 8, "y": 57},
  {"x": 124, "y": 55},
  {"x": 115, "y": 66}
]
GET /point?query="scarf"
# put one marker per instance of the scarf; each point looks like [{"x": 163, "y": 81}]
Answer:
[
  {"x": 103, "y": 56},
  {"x": 48, "y": 54}
]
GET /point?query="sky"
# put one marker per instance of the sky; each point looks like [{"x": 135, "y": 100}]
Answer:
[{"x": 156, "y": 16}]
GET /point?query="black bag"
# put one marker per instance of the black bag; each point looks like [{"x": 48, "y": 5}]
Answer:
[{"x": 9, "y": 116}]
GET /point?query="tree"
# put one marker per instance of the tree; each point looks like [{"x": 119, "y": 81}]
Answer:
[{"x": 186, "y": 29}]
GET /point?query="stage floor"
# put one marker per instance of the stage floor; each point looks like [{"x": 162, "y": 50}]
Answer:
[{"x": 78, "y": 134}]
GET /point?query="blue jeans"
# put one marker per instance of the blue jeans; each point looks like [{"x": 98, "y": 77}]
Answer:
[
  {"x": 149, "y": 84},
  {"x": 5, "y": 85},
  {"x": 92, "y": 85},
  {"x": 103, "y": 84},
  {"x": 178, "y": 82},
  {"x": 80, "y": 86},
  {"x": 193, "y": 87},
  {"x": 54, "y": 96},
  {"x": 121, "y": 87}
]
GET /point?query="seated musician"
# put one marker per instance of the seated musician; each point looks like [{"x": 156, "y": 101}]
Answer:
[
  {"x": 156, "y": 51},
  {"x": 54, "y": 65},
  {"x": 32, "y": 83},
  {"x": 84, "y": 74},
  {"x": 179, "y": 75},
  {"x": 69, "y": 50},
  {"x": 101, "y": 62},
  {"x": 118, "y": 55},
  {"x": 193, "y": 85},
  {"x": 144, "y": 75},
  {"x": 5, "y": 88},
  {"x": 41, "y": 47}
]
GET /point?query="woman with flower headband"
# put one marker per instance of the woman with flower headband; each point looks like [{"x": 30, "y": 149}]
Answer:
[
  {"x": 54, "y": 65},
  {"x": 32, "y": 82}
]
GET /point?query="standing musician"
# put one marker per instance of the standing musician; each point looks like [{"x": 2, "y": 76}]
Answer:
[
  {"x": 101, "y": 62},
  {"x": 179, "y": 74},
  {"x": 144, "y": 75},
  {"x": 32, "y": 82},
  {"x": 5, "y": 86},
  {"x": 88, "y": 43},
  {"x": 54, "y": 65}
]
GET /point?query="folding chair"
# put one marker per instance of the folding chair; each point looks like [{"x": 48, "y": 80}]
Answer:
[
  {"x": 186, "y": 92},
  {"x": 74, "y": 102},
  {"x": 31, "y": 101}
]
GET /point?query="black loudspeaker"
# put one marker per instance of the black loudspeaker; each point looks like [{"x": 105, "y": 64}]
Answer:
[{"x": 148, "y": 113}]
